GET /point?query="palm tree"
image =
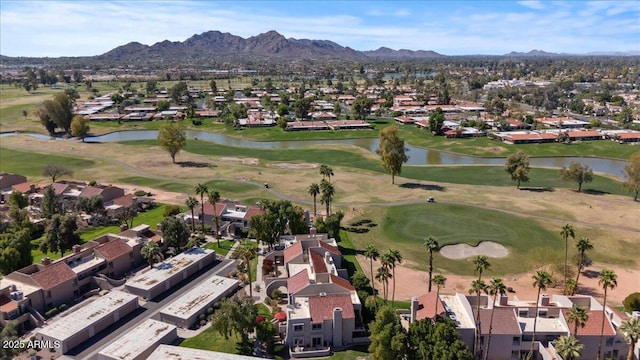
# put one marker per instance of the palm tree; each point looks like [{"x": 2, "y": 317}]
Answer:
[
  {"x": 326, "y": 171},
  {"x": 481, "y": 264},
  {"x": 383, "y": 275},
  {"x": 328, "y": 191},
  {"x": 393, "y": 258},
  {"x": 245, "y": 252},
  {"x": 607, "y": 280},
  {"x": 583, "y": 245},
  {"x": 202, "y": 189},
  {"x": 477, "y": 287},
  {"x": 630, "y": 328},
  {"x": 568, "y": 347},
  {"x": 578, "y": 315},
  {"x": 541, "y": 280},
  {"x": 191, "y": 203},
  {"x": 213, "y": 198},
  {"x": 496, "y": 288},
  {"x": 151, "y": 252},
  {"x": 371, "y": 253},
  {"x": 566, "y": 232},
  {"x": 439, "y": 280},
  {"x": 314, "y": 190},
  {"x": 432, "y": 245}
]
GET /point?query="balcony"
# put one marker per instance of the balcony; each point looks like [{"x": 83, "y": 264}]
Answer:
[{"x": 300, "y": 352}]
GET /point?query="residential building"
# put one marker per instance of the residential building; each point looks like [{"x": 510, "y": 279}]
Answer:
[{"x": 138, "y": 343}]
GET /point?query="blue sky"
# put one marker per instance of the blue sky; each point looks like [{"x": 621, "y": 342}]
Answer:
[{"x": 79, "y": 28}]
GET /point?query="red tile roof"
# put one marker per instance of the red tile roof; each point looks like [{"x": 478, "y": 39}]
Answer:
[
  {"x": 321, "y": 307},
  {"x": 59, "y": 188},
  {"x": 91, "y": 191},
  {"x": 24, "y": 187},
  {"x": 251, "y": 212},
  {"x": 317, "y": 262},
  {"x": 53, "y": 275},
  {"x": 6, "y": 304},
  {"x": 342, "y": 282},
  {"x": 504, "y": 321},
  {"x": 585, "y": 133},
  {"x": 592, "y": 326},
  {"x": 331, "y": 248},
  {"x": 126, "y": 201},
  {"x": 298, "y": 282},
  {"x": 114, "y": 249},
  {"x": 292, "y": 251},
  {"x": 208, "y": 209},
  {"x": 427, "y": 306}
]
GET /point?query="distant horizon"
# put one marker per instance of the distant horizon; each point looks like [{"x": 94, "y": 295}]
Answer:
[{"x": 455, "y": 28}]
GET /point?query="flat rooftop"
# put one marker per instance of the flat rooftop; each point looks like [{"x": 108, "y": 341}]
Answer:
[
  {"x": 137, "y": 340},
  {"x": 544, "y": 325},
  {"x": 86, "y": 263},
  {"x": 202, "y": 295},
  {"x": 457, "y": 308},
  {"x": 299, "y": 309},
  {"x": 168, "y": 352},
  {"x": 88, "y": 313},
  {"x": 168, "y": 268}
]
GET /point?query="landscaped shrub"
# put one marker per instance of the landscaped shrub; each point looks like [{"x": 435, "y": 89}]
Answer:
[
  {"x": 140, "y": 193},
  {"x": 63, "y": 307},
  {"x": 171, "y": 210},
  {"x": 632, "y": 302},
  {"x": 51, "y": 313},
  {"x": 276, "y": 294}
]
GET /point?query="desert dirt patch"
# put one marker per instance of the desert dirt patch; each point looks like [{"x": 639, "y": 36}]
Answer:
[
  {"x": 243, "y": 161},
  {"x": 294, "y": 166},
  {"x": 462, "y": 251}
]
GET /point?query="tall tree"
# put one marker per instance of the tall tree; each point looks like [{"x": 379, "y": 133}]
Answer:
[
  {"x": 326, "y": 171},
  {"x": 632, "y": 170},
  {"x": 361, "y": 107},
  {"x": 436, "y": 119},
  {"x": 568, "y": 347},
  {"x": 393, "y": 258},
  {"x": 371, "y": 253},
  {"x": 480, "y": 263},
  {"x": 172, "y": 139},
  {"x": 213, "y": 197},
  {"x": 578, "y": 315},
  {"x": 431, "y": 244},
  {"x": 191, "y": 203},
  {"x": 314, "y": 190},
  {"x": 630, "y": 328},
  {"x": 541, "y": 280},
  {"x": 577, "y": 173},
  {"x": 392, "y": 151},
  {"x": 477, "y": 287},
  {"x": 51, "y": 204},
  {"x": 607, "y": 280},
  {"x": 55, "y": 171},
  {"x": 566, "y": 232},
  {"x": 437, "y": 339},
  {"x": 517, "y": 165},
  {"x": 80, "y": 127},
  {"x": 202, "y": 190},
  {"x": 61, "y": 234},
  {"x": 175, "y": 232},
  {"x": 245, "y": 252},
  {"x": 57, "y": 112},
  {"x": 497, "y": 288},
  {"x": 388, "y": 337},
  {"x": 15, "y": 249},
  {"x": 328, "y": 192},
  {"x": 583, "y": 245},
  {"x": 439, "y": 280},
  {"x": 151, "y": 252},
  {"x": 383, "y": 275}
]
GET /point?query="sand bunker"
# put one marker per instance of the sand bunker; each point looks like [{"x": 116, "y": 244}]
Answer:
[
  {"x": 295, "y": 166},
  {"x": 244, "y": 161},
  {"x": 487, "y": 248}
]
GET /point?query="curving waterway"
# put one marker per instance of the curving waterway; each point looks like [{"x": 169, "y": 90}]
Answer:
[{"x": 417, "y": 155}]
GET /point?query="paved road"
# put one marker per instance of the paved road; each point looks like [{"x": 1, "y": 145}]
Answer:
[{"x": 147, "y": 311}]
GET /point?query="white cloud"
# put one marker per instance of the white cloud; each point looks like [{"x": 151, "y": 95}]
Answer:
[{"x": 532, "y": 4}]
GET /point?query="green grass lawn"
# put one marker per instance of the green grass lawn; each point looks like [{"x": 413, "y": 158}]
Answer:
[
  {"x": 233, "y": 189},
  {"x": 31, "y": 164},
  {"x": 223, "y": 250},
  {"x": 355, "y": 353},
  {"x": 406, "y": 227},
  {"x": 211, "y": 340}
]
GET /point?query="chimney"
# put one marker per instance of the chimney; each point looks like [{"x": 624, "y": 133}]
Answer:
[
  {"x": 504, "y": 300},
  {"x": 544, "y": 300},
  {"x": 415, "y": 304},
  {"x": 337, "y": 327},
  {"x": 77, "y": 249},
  {"x": 46, "y": 261}
]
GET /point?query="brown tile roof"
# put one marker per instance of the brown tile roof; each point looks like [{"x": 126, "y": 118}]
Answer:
[
  {"x": 208, "y": 209},
  {"x": 126, "y": 201},
  {"x": 342, "y": 282},
  {"x": 53, "y": 275},
  {"x": 24, "y": 187},
  {"x": 298, "y": 282},
  {"x": 91, "y": 191},
  {"x": 321, "y": 307},
  {"x": 251, "y": 212},
  {"x": 427, "y": 306},
  {"x": 317, "y": 262},
  {"x": 114, "y": 249},
  {"x": 585, "y": 133},
  {"x": 504, "y": 321},
  {"x": 331, "y": 248},
  {"x": 152, "y": 235},
  {"x": 592, "y": 326},
  {"x": 6, "y": 304},
  {"x": 59, "y": 188},
  {"x": 292, "y": 251}
]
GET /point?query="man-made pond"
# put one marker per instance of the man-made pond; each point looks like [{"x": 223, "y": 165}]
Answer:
[{"x": 417, "y": 155}]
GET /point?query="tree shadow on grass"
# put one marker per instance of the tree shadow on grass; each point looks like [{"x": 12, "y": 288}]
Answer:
[
  {"x": 376, "y": 121},
  {"x": 193, "y": 164},
  {"x": 423, "y": 186},
  {"x": 595, "y": 192},
  {"x": 535, "y": 189}
]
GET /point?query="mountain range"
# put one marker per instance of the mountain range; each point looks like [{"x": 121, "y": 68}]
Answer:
[{"x": 215, "y": 45}]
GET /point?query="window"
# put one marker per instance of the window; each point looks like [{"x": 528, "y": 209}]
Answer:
[
  {"x": 298, "y": 327},
  {"x": 298, "y": 341},
  {"x": 316, "y": 341},
  {"x": 516, "y": 341},
  {"x": 48, "y": 294},
  {"x": 523, "y": 312},
  {"x": 515, "y": 354},
  {"x": 316, "y": 326},
  {"x": 609, "y": 342}
]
